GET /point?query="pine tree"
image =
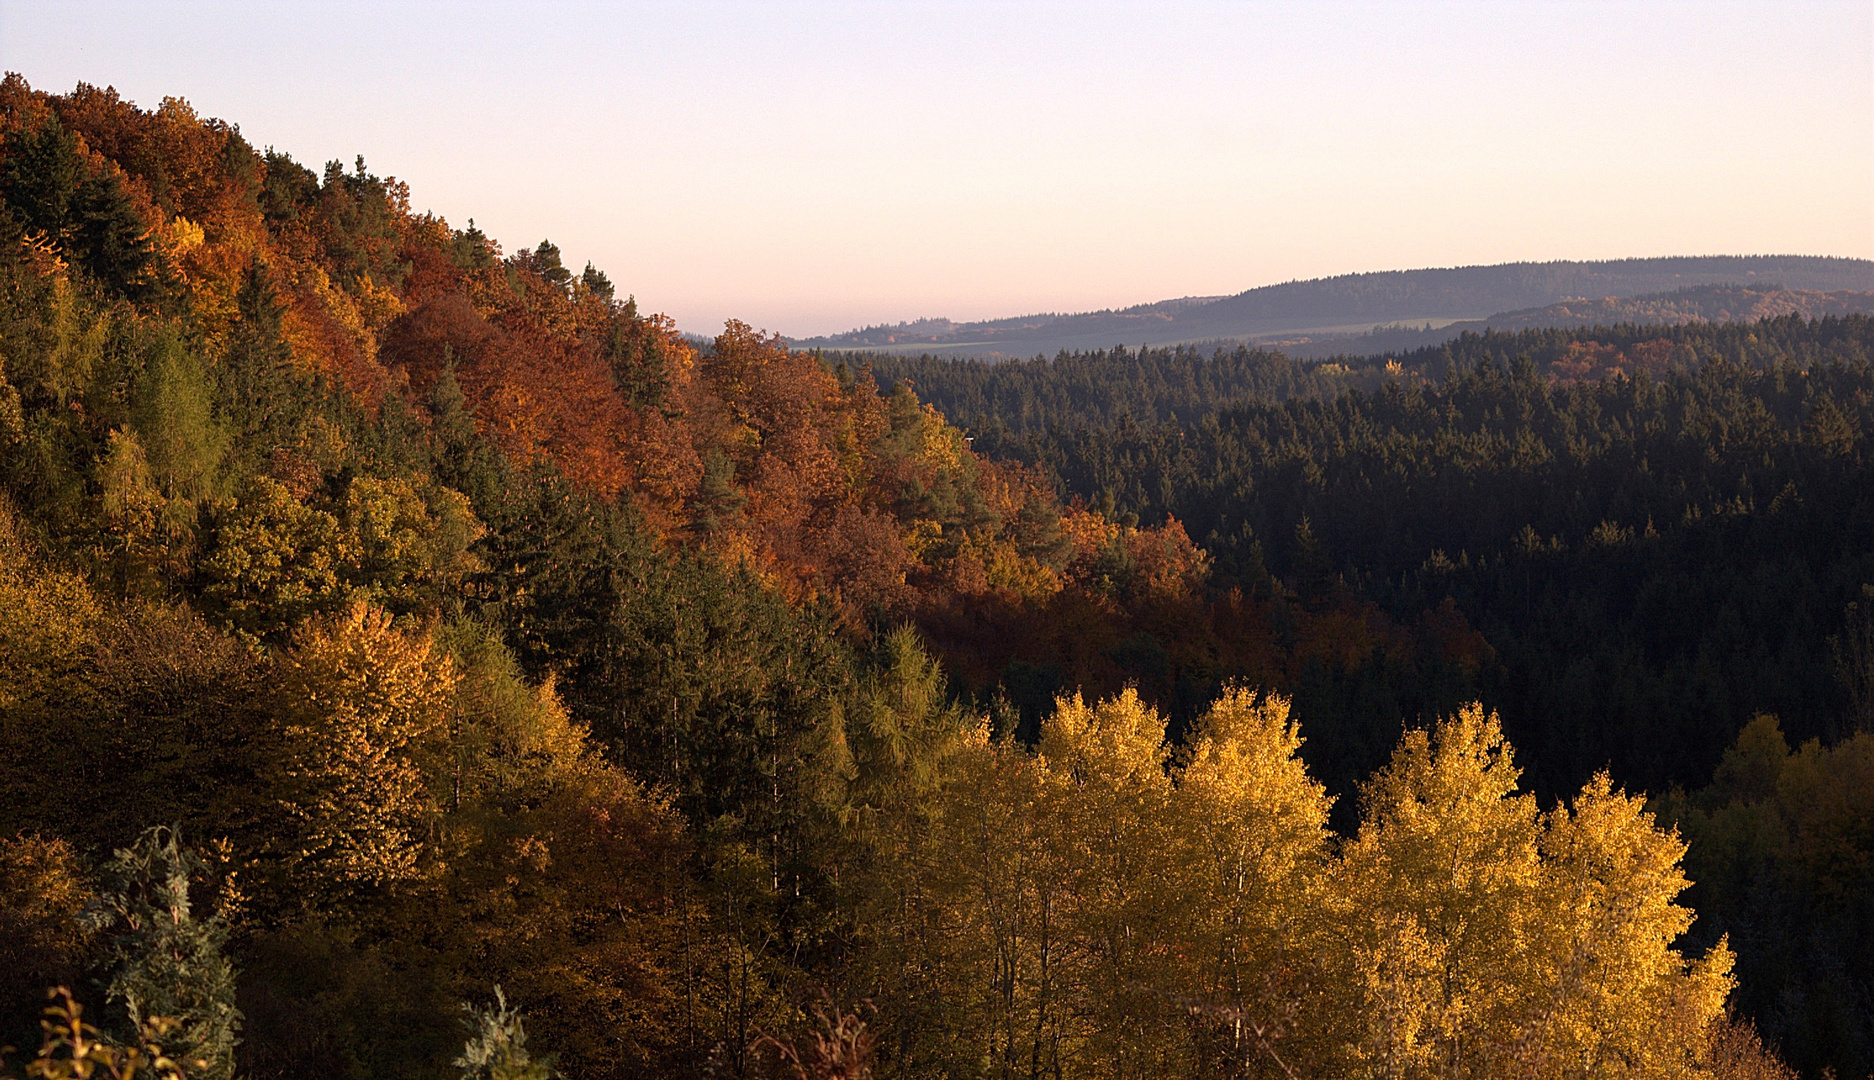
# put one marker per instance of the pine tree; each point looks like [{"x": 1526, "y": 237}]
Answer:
[
  {"x": 497, "y": 1045},
  {"x": 163, "y": 962}
]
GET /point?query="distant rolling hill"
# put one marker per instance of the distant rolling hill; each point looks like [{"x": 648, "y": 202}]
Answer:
[
  {"x": 1699, "y": 303},
  {"x": 1333, "y": 314}
]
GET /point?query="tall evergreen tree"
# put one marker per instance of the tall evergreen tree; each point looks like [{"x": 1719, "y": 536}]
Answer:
[{"x": 163, "y": 961}]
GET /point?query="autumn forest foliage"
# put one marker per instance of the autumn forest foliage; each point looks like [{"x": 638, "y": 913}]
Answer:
[{"x": 416, "y": 660}]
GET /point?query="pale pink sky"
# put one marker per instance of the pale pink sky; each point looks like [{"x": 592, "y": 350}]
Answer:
[{"x": 809, "y": 167}]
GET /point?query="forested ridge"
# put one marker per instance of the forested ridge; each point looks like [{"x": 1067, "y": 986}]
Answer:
[
  {"x": 1327, "y": 310},
  {"x": 415, "y": 660},
  {"x": 1699, "y": 303}
]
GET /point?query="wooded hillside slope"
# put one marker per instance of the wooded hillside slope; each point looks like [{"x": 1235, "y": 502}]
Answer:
[{"x": 389, "y": 622}]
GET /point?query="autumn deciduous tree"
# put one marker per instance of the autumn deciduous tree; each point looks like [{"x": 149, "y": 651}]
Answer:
[
  {"x": 276, "y": 558},
  {"x": 1092, "y": 909},
  {"x": 1253, "y": 852},
  {"x": 273, "y": 560},
  {"x": 363, "y": 710},
  {"x": 1486, "y": 938},
  {"x": 1065, "y": 911},
  {"x": 42, "y": 942}
]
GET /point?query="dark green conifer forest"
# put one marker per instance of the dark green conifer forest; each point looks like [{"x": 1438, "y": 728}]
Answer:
[{"x": 416, "y": 660}]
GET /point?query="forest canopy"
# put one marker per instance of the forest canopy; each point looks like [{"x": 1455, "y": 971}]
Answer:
[{"x": 416, "y": 660}]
